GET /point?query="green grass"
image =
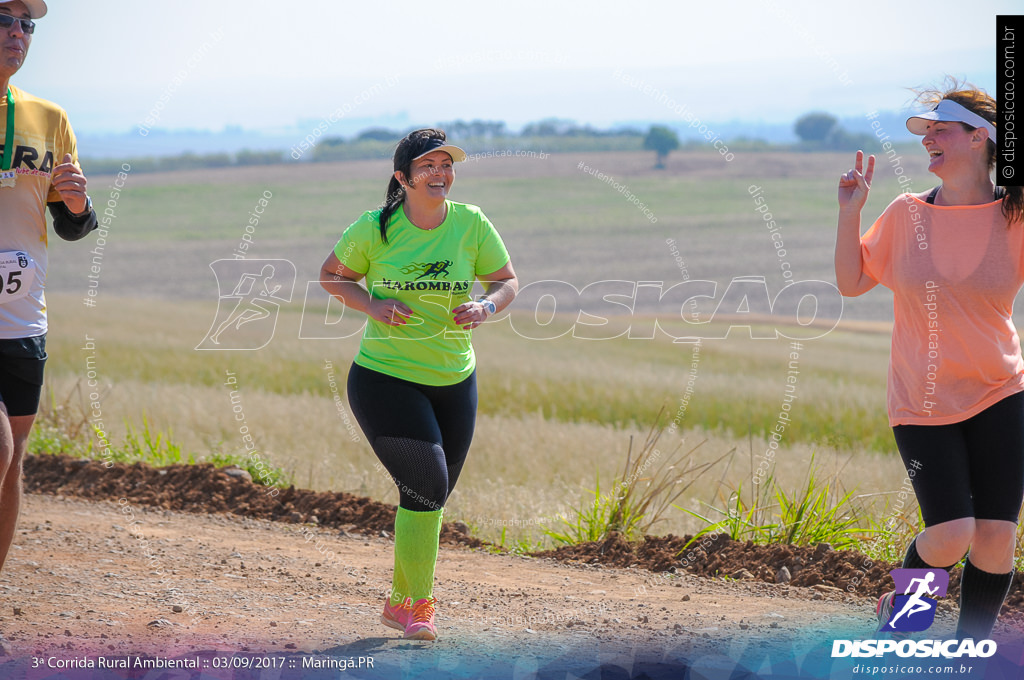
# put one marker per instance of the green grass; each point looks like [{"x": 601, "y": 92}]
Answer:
[
  {"x": 591, "y": 520},
  {"x": 816, "y": 511},
  {"x": 146, "y": 445},
  {"x": 640, "y": 496},
  {"x": 63, "y": 427}
]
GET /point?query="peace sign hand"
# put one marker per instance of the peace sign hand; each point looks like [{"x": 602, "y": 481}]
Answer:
[{"x": 855, "y": 184}]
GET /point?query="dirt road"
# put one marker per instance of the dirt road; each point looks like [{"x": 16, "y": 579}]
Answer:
[{"x": 101, "y": 579}]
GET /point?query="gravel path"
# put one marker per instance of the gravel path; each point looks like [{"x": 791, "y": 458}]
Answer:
[{"x": 103, "y": 578}]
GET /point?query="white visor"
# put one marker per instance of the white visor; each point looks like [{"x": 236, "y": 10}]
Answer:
[
  {"x": 948, "y": 111},
  {"x": 457, "y": 154}
]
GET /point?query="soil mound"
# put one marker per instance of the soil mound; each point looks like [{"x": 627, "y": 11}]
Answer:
[
  {"x": 206, "y": 489},
  {"x": 719, "y": 556}
]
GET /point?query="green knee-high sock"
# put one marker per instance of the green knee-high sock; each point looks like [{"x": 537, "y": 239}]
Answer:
[{"x": 416, "y": 539}]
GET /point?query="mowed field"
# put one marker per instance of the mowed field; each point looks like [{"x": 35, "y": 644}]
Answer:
[{"x": 554, "y": 413}]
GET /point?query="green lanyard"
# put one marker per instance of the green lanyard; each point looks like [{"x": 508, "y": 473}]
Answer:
[{"x": 5, "y": 164}]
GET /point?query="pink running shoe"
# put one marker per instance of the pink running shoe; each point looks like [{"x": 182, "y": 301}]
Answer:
[
  {"x": 397, "y": 616},
  {"x": 884, "y": 611},
  {"x": 421, "y": 622}
]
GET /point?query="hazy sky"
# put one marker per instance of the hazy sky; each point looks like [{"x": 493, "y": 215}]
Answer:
[{"x": 261, "y": 64}]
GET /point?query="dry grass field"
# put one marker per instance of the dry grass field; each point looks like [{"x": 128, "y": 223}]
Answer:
[{"x": 554, "y": 414}]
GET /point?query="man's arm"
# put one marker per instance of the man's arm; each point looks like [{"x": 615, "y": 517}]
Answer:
[
  {"x": 73, "y": 216},
  {"x": 69, "y": 226}
]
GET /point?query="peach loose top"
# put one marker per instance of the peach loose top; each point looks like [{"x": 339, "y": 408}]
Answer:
[{"x": 954, "y": 272}]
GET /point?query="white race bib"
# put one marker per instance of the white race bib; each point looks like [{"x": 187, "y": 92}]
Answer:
[{"x": 17, "y": 274}]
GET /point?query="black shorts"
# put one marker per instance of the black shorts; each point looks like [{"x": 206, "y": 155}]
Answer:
[
  {"x": 21, "y": 374},
  {"x": 974, "y": 468}
]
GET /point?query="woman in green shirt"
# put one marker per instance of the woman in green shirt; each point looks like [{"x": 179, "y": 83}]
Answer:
[{"x": 412, "y": 386}]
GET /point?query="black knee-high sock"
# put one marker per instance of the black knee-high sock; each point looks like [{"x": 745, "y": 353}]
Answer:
[
  {"x": 912, "y": 560},
  {"x": 981, "y": 597}
]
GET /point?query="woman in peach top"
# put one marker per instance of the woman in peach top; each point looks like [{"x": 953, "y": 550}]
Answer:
[{"x": 954, "y": 258}]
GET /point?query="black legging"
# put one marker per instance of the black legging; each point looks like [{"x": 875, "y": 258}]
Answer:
[
  {"x": 420, "y": 433},
  {"x": 974, "y": 468}
]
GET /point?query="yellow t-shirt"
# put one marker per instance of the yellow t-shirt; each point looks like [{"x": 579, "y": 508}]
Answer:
[
  {"x": 42, "y": 135},
  {"x": 954, "y": 272}
]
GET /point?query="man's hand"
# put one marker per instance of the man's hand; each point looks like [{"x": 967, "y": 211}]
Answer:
[{"x": 69, "y": 182}]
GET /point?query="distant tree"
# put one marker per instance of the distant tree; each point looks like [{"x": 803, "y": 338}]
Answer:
[
  {"x": 495, "y": 128},
  {"x": 625, "y": 132},
  {"x": 247, "y": 157},
  {"x": 331, "y": 142},
  {"x": 485, "y": 128},
  {"x": 460, "y": 129},
  {"x": 841, "y": 140},
  {"x": 815, "y": 127},
  {"x": 549, "y": 127},
  {"x": 190, "y": 161},
  {"x": 585, "y": 131},
  {"x": 379, "y": 134},
  {"x": 456, "y": 129},
  {"x": 662, "y": 141},
  {"x": 111, "y": 166}
]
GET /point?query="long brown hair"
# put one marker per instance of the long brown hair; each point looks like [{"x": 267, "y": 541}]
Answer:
[{"x": 980, "y": 102}]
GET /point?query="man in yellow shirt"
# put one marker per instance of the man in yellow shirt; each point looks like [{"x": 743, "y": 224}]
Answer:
[{"x": 38, "y": 168}]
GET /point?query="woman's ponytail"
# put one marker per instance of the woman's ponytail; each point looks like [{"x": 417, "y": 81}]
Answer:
[{"x": 393, "y": 199}]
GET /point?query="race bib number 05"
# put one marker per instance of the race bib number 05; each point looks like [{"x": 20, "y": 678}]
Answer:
[{"x": 17, "y": 273}]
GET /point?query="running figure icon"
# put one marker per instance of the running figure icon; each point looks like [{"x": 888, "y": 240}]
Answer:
[
  {"x": 915, "y": 603},
  {"x": 250, "y": 307},
  {"x": 249, "y": 300}
]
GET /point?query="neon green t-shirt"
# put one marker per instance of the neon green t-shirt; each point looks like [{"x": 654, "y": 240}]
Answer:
[{"x": 433, "y": 273}]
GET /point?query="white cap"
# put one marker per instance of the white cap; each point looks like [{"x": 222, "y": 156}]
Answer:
[
  {"x": 36, "y": 8},
  {"x": 948, "y": 111}
]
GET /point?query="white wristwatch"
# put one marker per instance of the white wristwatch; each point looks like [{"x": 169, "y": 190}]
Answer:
[{"x": 488, "y": 305}]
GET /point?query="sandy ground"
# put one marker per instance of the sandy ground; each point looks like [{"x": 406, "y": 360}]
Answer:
[{"x": 87, "y": 578}]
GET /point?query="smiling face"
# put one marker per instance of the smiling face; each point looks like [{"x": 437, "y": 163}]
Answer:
[
  {"x": 14, "y": 42},
  {"x": 430, "y": 179},
  {"x": 952, "y": 148}
]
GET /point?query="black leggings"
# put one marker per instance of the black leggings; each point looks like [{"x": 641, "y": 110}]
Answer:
[
  {"x": 420, "y": 433},
  {"x": 974, "y": 468}
]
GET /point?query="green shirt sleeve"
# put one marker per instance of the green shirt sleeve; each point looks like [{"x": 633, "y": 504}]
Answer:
[
  {"x": 491, "y": 254},
  {"x": 353, "y": 248}
]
